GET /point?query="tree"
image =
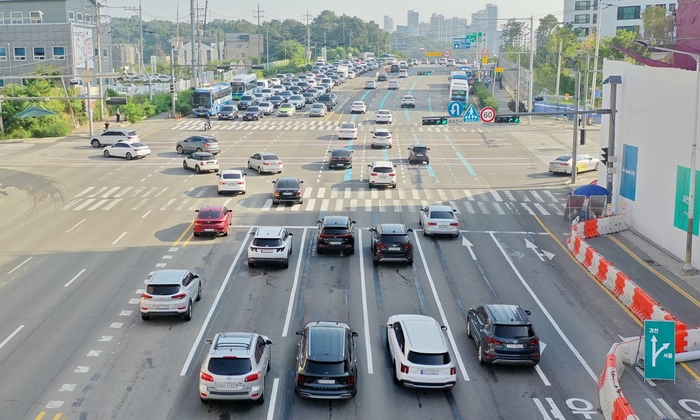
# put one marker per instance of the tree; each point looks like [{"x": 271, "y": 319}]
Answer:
[
  {"x": 548, "y": 25},
  {"x": 658, "y": 26},
  {"x": 512, "y": 33},
  {"x": 291, "y": 50}
]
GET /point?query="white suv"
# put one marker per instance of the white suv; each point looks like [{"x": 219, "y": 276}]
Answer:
[
  {"x": 381, "y": 137},
  {"x": 112, "y": 136},
  {"x": 419, "y": 352},
  {"x": 235, "y": 367},
  {"x": 382, "y": 173},
  {"x": 170, "y": 293},
  {"x": 270, "y": 245}
]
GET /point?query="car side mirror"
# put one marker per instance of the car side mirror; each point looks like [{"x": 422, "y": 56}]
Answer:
[
  {"x": 268, "y": 342},
  {"x": 301, "y": 182},
  {"x": 353, "y": 222},
  {"x": 408, "y": 148},
  {"x": 291, "y": 234},
  {"x": 318, "y": 221},
  {"x": 428, "y": 148},
  {"x": 274, "y": 182},
  {"x": 300, "y": 332},
  {"x": 372, "y": 229},
  {"x": 528, "y": 312},
  {"x": 354, "y": 334},
  {"x": 196, "y": 211},
  {"x": 471, "y": 311},
  {"x": 372, "y": 132},
  {"x": 208, "y": 341},
  {"x": 229, "y": 211},
  {"x": 442, "y": 327},
  {"x": 409, "y": 230},
  {"x": 394, "y": 166},
  {"x": 454, "y": 210}
]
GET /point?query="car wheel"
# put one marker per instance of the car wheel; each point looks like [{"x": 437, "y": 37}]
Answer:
[
  {"x": 145, "y": 317},
  {"x": 259, "y": 171},
  {"x": 195, "y": 234},
  {"x": 184, "y": 164},
  {"x": 180, "y": 150},
  {"x": 249, "y": 167},
  {"x": 95, "y": 143},
  {"x": 226, "y": 232},
  {"x": 203, "y": 400},
  {"x": 480, "y": 354},
  {"x": 199, "y": 292},
  {"x": 221, "y": 193},
  {"x": 128, "y": 156},
  {"x": 106, "y": 153},
  {"x": 188, "y": 314},
  {"x": 410, "y": 261},
  {"x": 261, "y": 400},
  {"x": 469, "y": 328},
  {"x": 243, "y": 192},
  {"x": 285, "y": 264},
  {"x": 197, "y": 170},
  {"x": 251, "y": 264},
  {"x": 199, "y": 149},
  {"x": 425, "y": 233},
  {"x": 319, "y": 250}
]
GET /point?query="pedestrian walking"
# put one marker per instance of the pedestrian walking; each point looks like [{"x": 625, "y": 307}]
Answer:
[
  {"x": 106, "y": 125},
  {"x": 118, "y": 114}
]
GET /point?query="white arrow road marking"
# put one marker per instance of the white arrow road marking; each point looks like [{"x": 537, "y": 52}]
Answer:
[
  {"x": 469, "y": 245},
  {"x": 533, "y": 247},
  {"x": 548, "y": 254},
  {"x": 539, "y": 370}
]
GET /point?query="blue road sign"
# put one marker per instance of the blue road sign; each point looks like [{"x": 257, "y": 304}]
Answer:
[
  {"x": 455, "y": 45},
  {"x": 456, "y": 108},
  {"x": 461, "y": 44},
  {"x": 471, "y": 115}
]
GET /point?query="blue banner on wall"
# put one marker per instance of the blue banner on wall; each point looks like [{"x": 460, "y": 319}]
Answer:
[{"x": 628, "y": 181}]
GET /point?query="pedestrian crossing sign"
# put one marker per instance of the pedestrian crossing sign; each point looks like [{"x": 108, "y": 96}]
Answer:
[{"x": 471, "y": 115}]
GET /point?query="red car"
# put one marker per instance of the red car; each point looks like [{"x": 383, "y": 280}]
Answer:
[{"x": 212, "y": 220}]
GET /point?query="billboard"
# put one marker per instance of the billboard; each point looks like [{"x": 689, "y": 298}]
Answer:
[
  {"x": 83, "y": 51},
  {"x": 628, "y": 178},
  {"x": 680, "y": 215}
]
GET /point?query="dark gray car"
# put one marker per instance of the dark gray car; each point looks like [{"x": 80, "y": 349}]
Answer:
[
  {"x": 199, "y": 144},
  {"x": 246, "y": 101},
  {"x": 288, "y": 190},
  {"x": 228, "y": 112}
]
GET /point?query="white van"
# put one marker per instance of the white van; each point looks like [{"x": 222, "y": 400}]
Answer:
[{"x": 261, "y": 84}]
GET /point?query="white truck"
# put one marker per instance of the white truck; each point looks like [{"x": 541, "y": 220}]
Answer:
[{"x": 343, "y": 71}]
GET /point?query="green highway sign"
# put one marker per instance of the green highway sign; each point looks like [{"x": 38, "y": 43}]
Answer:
[
  {"x": 660, "y": 350},
  {"x": 472, "y": 36}
]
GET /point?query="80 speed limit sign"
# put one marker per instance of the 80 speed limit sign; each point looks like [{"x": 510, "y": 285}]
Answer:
[{"x": 487, "y": 114}]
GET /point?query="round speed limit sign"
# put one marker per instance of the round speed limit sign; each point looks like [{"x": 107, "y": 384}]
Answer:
[{"x": 487, "y": 114}]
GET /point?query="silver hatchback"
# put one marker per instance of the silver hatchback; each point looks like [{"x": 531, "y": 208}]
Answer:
[{"x": 235, "y": 367}]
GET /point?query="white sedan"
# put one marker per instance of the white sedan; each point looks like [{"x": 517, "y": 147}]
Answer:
[
  {"x": 563, "y": 164},
  {"x": 439, "y": 220},
  {"x": 383, "y": 116},
  {"x": 358, "y": 106},
  {"x": 127, "y": 150},
  {"x": 231, "y": 181},
  {"x": 348, "y": 130}
]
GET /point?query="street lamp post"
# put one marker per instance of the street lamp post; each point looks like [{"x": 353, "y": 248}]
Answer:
[{"x": 687, "y": 268}]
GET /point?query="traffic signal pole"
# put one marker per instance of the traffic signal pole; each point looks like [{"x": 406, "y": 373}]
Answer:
[{"x": 574, "y": 148}]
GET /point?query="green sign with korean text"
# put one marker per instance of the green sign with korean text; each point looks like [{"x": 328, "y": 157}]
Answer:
[
  {"x": 660, "y": 350},
  {"x": 680, "y": 214}
]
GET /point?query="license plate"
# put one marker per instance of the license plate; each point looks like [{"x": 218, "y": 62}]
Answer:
[
  {"x": 229, "y": 385},
  {"x": 266, "y": 251},
  {"x": 287, "y": 193},
  {"x": 394, "y": 248},
  {"x": 429, "y": 372},
  {"x": 443, "y": 226},
  {"x": 326, "y": 381},
  {"x": 208, "y": 230},
  {"x": 162, "y": 307},
  {"x": 340, "y": 164},
  {"x": 514, "y": 346},
  {"x": 335, "y": 242}
]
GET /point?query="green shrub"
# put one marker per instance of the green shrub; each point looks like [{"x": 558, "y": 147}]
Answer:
[
  {"x": 51, "y": 126},
  {"x": 183, "y": 105},
  {"x": 162, "y": 102}
]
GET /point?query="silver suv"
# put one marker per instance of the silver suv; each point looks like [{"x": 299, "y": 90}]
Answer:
[
  {"x": 270, "y": 245},
  {"x": 235, "y": 367},
  {"x": 170, "y": 293}
]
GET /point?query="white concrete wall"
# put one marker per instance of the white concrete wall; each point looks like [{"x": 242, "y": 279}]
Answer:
[{"x": 655, "y": 112}]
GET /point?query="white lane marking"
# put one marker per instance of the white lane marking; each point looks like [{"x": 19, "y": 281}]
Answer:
[
  {"x": 368, "y": 205},
  {"x": 509, "y": 195},
  {"x": 537, "y": 196},
  {"x": 543, "y": 410},
  {"x": 324, "y": 204},
  {"x": 54, "y": 404},
  {"x": 273, "y": 399},
  {"x": 9, "y": 337},
  {"x": 365, "y": 311},
  {"x": 544, "y": 310},
  {"x": 106, "y": 338},
  {"x": 168, "y": 204},
  {"x": 353, "y": 204},
  {"x": 295, "y": 284},
  {"x": 542, "y": 210},
  {"x": 146, "y": 214},
  {"x": 347, "y": 192},
  {"x": 668, "y": 408},
  {"x": 94, "y": 353},
  {"x": 122, "y": 192},
  {"x": 207, "y": 320},
  {"x": 654, "y": 407},
  {"x": 117, "y": 240},
  {"x": 98, "y": 204},
  {"x": 68, "y": 387},
  {"x": 112, "y": 204},
  {"x": 550, "y": 195},
  {"x": 527, "y": 208},
  {"x": 310, "y": 204},
  {"x": 469, "y": 195},
  {"x": 74, "y": 278},
  {"x": 321, "y": 192},
  {"x": 440, "y": 309},
  {"x": 82, "y": 369},
  {"x": 76, "y": 225},
  {"x": 483, "y": 207},
  {"x": 267, "y": 205},
  {"x": 21, "y": 264},
  {"x": 498, "y": 208},
  {"x": 555, "y": 410},
  {"x": 226, "y": 202}
]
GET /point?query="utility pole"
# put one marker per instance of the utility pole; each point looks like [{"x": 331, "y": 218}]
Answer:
[
  {"x": 142, "y": 68},
  {"x": 308, "y": 37},
  {"x": 173, "y": 83},
  {"x": 99, "y": 57},
  {"x": 193, "y": 55},
  {"x": 559, "y": 66},
  {"x": 259, "y": 16},
  {"x": 597, "y": 48},
  {"x": 574, "y": 149},
  {"x": 531, "y": 83},
  {"x": 267, "y": 52}
]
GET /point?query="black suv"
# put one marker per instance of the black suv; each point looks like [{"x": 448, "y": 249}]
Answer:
[
  {"x": 327, "y": 100},
  {"x": 246, "y": 101},
  {"x": 418, "y": 153},
  {"x": 340, "y": 158},
  {"x": 336, "y": 233},
  {"x": 326, "y": 361},
  {"x": 391, "y": 241},
  {"x": 383, "y": 77},
  {"x": 503, "y": 334}
]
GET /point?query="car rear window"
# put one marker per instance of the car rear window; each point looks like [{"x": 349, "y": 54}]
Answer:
[
  {"x": 514, "y": 331},
  {"x": 383, "y": 170},
  {"x": 322, "y": 368},
  {"x": 227, "y": 108},
  {"x": 394, "y": 239},
  {"x": 381, "y": 133},
  {"x": 209, "y": 214},
  {"x": 132, "y": 133},
  {"x": 267, "y": 242},
  {"x": 441, "y": 215},
  {"x": 287, "y": 183},
  {"x": 253, "y": 109},
  {"x": 340, "y": 153},
  {"x": 270, "y": 157},
  {"x": 246, "y": 98},
  {"x": 335, "y": 231},
  {"x": 206, "y": 156},
  {"x": 138, "y": 145},
  {"x": 420, "y": 150},
  {"x": 348, "y": 126},
  {"x": 229, "y": 367},
  {"x": 434, "y": 359},
  {"x": 563, "y": 158},
  {"x": 231, "y": 176},
  {"x": 162, "y": 289}
]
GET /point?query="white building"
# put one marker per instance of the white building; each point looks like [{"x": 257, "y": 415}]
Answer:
[
  {"x": 618, "y": 15},
  {"x": 388, "y": 24},
  {"x": 412, "y": 22}
]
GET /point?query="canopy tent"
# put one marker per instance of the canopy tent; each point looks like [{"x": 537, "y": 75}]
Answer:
[{"x": 34, "y": 111}]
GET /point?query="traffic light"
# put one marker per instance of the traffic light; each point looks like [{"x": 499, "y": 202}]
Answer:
[
  {"x": 604, "y": 156},
  {"x": 582, "y": 141},
  {"x": 424, "y": 73},
  {"x": 507, "y": 119},
  {"x": 172, "y": 88},
  {"x": 434, "y": 120},
  {"x": 116, "y": 100},
  {"x": 84, "y": 106}
]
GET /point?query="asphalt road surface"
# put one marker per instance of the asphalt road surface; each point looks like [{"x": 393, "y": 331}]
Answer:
[{"x": 81, "y": 233}]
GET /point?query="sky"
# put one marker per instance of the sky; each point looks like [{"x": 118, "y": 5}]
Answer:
[{"x": 364, "y": 9}]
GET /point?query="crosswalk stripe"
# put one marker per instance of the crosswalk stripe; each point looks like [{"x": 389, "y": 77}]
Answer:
[
  {"x": 324, "y": 204},
  {"x": 334, "y": 193},
  {"x": 455, "y": 195},
  {"x": 428, "y": 194},
  {"x": 83, "y": 192},
  {"x": 321, "y": 192},
  {"x": 556, "y": 209},
  {"x": 542, "y": 210},
  {"x": 442, "y": 195},
  {"x": 368, "y": 205},
  {"x": 527, "y": 208},
  {"x": 397, "y": 206},
  {"x": 182, "y": 204},
  {"x": 141, "y": 203},
  {"x": 84, "y": 204},
  {"x": 523, "y": 196},
  {"x": 112, "y": 204},
  {"x": 108, "y": 193},
  {"x": 361, "y": 194},
  {"x": 197, "y": 205},
  {"x": 495, "y": 195},
  {"x": 296, "y": 207},
  {"x": 353, "y": 205},
  {"x": 348, "y": 191},
  {"x": 415, "y": 194},
  {"x": 537, "y": 196},
  {"x": 382, "y": 206},
  {"x": 199, "y": 194},
  {"x": 137, "y": 192},
  {"x": 149, "y": 192},
  {"x": 389, "y": 194},
  {"x": 99, "y": 191},
  {"x": 551, "y": 196},
  {"x": 454, "y": 207},
  {"x": 122, "y": 192},
  {"x": 161, "y": 192},
  {"x": 339, "y": 204},
  {"x": 469, "y": 196},
  {"x": 374, "y": 194},
  {"x": 498, "y": 208},
  {"x": 509, "y": 195},
  {"x": 482, "y": 207},
  {"x": 411, "y": 206},
  {"x": 71, "y": 204},
  {"x": 98, "y": 204},
  {"x": 267, "y": 205},
  {"x": 281, "y": 206},
  {"x": 168, "y": 204},
  {"x": 310, "y": 204},
  {"x": 469, "y": 207},
  {"x": 307, "y": 192},
  {"x": 512, "y": 208}
]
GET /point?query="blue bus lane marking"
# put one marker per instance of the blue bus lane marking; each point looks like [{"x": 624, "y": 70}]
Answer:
[
  {"x": 348, "y": 171},
  {"x": 461, "y": 157},
  {"x": 428, "y": 168},
  {"x": 405, "y": 110}
]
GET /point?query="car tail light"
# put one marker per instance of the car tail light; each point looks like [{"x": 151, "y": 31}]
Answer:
[
  {"x": 240, "y": 182},
  {"x": 432, "y": 224},
  {"x": 207, "y": 144},
  {"x": 254, "y": 377},
  {"x": 534, "y": 342},
  {"x": 454, "y": 224},
  {"x": 279, "y": 163},
  {"x": 266, "y": 163},
  {"x": 129, "y": 137},
  {"x": 392, "y": 174},
  {"x": 409, "y": 246},
  {"x": 206, "y": 377},
  {"x": 453, "y": 371},
  {"x": 404, "y": 368},
  {"x": 374, "y": 174},
  {"x": 351, "y": 380},
  {"x": 565, "y": 164},
  {"x": 222, "y": 183},
  {"x": 179, "y": 296},
  {"x": 301, "y": 378},
  {"x": 493, "y": 341},
  {"x": 381, "y": 246},
  {"x": 146, "y": 296}
]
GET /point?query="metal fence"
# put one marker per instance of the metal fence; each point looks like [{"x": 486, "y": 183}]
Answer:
[{"x": 582, "y": 208}]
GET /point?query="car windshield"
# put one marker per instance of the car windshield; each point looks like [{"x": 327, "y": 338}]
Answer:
[
  {"x": 270, "y": 157},
  {"x": 229, "y": 367},
  {"x": 227, "y": 108},
  {"x": 433, "y": 359},
  {"x": 441, "y": 215},
  {"x": 394, "y": 239},
  {"x": 231, "y": 176},
  {"x": 563, "y": 158},
  {"x": 513, "y": 331},
  {"x": 287, "y": 183},
  {"x": 246, "y": 98},
  {"x": 296, "y": 97},
  {"x": 267, "y": 242},
  {"x": 162, "y": 289},
  {"x": 318, "y": 106},
  {"x": 253, "y": 109},
  {"x": 348, "y": 126},
  {"x": 321, "y": 368},
  {"x": 381, "y": 133},
  {"x": 209, "y": 214}
]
